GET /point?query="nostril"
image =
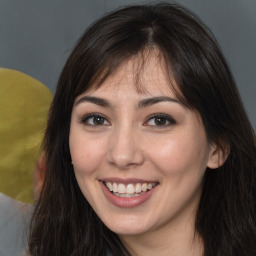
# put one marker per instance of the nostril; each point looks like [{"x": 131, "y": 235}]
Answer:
[{"x": 125, "y": 158}]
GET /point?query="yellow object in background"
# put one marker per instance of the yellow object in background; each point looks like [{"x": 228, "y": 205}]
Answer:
[{"x": 24, "y": 105}]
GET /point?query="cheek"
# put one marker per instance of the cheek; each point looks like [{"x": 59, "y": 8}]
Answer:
[
  {"x": 180, "y": 155},
  {"x": 86, "y": 154}
]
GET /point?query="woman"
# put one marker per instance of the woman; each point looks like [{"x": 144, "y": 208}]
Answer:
[{"x": 148, "y": 148}]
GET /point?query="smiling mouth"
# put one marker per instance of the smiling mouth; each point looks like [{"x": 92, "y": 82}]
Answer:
[{"x": 129, "y": 190}]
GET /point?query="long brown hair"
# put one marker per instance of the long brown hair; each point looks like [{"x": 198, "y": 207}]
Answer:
[{"x": 63, "y": 222}]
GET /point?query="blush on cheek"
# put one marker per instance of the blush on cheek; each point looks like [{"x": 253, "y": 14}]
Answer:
[
  {"x": 84, "y": 164},
  {"x": 86, "y": 158},
  {"x": 177, "y": 160},
  {"x": 169, "y": 157}
]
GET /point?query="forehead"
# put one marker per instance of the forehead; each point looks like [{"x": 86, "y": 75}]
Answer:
[{"x": 141, "y": 74}]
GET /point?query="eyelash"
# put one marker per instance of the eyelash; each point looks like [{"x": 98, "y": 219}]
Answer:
[{"x": 165, "y": 118}]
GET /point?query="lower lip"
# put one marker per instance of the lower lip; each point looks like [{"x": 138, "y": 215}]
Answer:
[{"x": 127, "y": 202}]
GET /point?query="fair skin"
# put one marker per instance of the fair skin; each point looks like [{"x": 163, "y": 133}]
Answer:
[{"x": 121, "y": 137}]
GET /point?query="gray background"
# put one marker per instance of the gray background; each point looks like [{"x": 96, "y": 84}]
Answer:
[{"x": 37, "y": 36}]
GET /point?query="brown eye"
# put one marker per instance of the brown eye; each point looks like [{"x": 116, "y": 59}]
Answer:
[
  {"x": 94, "y": 120},
  {"x": 98, "y": 120},
  {"x": 160, "y": 120}
]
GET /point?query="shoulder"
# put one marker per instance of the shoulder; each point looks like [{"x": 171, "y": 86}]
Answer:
[{"x": 14, "y": 221}]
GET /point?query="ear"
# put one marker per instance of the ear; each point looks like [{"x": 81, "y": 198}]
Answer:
[{"x": 218, "y": 156}]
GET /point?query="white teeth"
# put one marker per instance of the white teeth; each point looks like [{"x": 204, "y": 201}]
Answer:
[
  {"x": 127, "y": 195},
  {"x": 130, "y": 190},
  {"x": 150, "y": 186},
  {"x": 121, "y": 188},
  {"x": 144, "y": 187},
  {"x": 138, "y": 188},
  {"x": 115, "y": 189},
  {"x": 109, "y": 185}
]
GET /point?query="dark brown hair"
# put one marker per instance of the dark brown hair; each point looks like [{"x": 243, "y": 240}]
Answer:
[{"x": 63, "y": 222}]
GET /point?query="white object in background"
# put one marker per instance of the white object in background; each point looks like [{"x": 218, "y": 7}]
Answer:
[{"x": 14, "y": 221}]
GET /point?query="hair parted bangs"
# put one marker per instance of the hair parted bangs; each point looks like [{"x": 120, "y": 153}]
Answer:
[
  {"x": 136, "y": 32},
  {"x": 186, "y": 49}
]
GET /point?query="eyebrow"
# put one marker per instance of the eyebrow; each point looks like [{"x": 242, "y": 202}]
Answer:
[
  {"x": 95, "y": 100},
  {"x": 142, "y": 104},
  {"x": 155, "y": 100}
]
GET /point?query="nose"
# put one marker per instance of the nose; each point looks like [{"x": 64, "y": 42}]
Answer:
[{"x": 125, "y": 150}]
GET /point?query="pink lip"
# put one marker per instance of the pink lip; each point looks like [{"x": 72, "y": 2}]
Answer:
[{"x": 127, "y": 202}]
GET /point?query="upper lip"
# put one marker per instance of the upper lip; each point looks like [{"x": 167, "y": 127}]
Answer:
[{"x": 127, "y": 181}]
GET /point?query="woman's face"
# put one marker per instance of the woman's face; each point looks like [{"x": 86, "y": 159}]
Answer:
[{"x": 139, "y": 158}]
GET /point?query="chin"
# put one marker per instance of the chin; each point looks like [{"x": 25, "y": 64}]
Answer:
[
  {"x": 129, "y": 227},
  {"x": 130, "y": 231}
]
